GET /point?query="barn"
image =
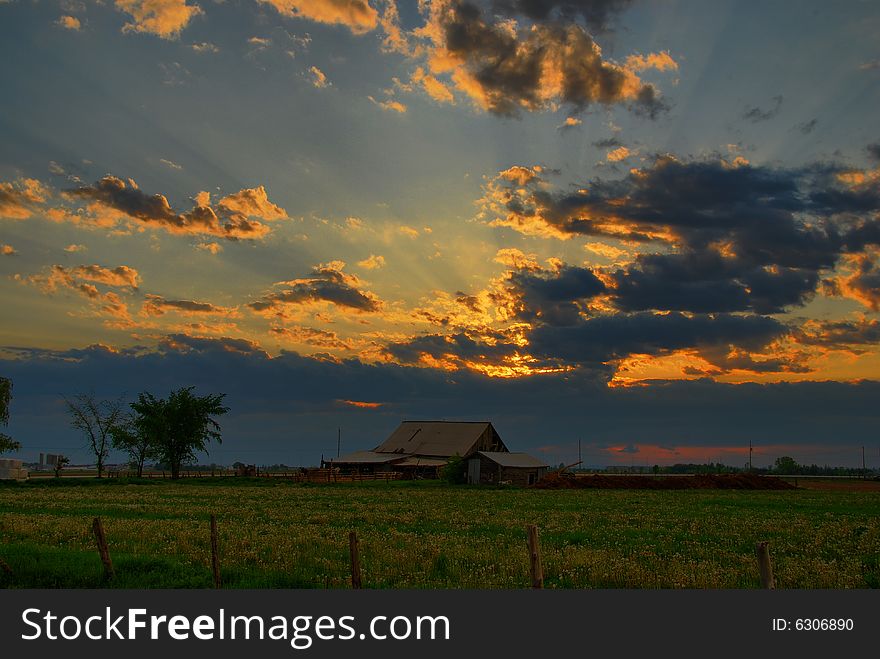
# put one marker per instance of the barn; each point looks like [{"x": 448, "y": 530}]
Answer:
[
  {"x": 422, "y": 448},
  {"x": 499, "y": 467}
]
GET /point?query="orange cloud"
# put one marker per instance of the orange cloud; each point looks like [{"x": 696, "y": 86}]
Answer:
[
  {"x": 7, "y": 250},
  {"x": 163, "y": 18},
  {"x": 20, "y": 198},
  {"x": 237, "y": 216},
  {"x": 361, "y": 404},
  {"x": 319, "y": 79},
  {"x": 69, "y": 23},
  {"x": 156, "y": 305},
  {"x": 357, "y": 15},
  {"x": 661, "y": 61},
  {"x": 390, "y": 104},
  {"x": 618, "y": 154},
  {"x": 432, "y": 86},
  {"x": 372, "y": 262}
]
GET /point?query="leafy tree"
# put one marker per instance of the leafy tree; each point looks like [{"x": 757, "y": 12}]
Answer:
[
  {"x": 180, "y": 425},
  {"x": 60, "y": 464},
  {"x": 133, "y": 436},
  {"x": 455, "y": 470},
  {"x": 95, "y": 419},
  {"x": 6, "y": 442},
  {"x": 786, "y": 465}
]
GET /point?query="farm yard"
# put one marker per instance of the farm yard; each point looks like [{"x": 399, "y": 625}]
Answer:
[{"x": 430, "y": 535}]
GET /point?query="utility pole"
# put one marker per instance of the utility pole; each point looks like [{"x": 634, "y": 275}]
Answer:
[
  {"x": 750, "y": 455},
  {"x": 864, "y": 471},
  {"x": 338, "y": 441},
  {"x": 579, "y": 451}
]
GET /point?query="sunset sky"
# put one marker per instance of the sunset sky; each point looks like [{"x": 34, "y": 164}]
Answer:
[{"x": 651, "y": 226}]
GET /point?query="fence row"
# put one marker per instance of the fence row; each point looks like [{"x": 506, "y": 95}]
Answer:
[{"x": 536, "y": 570}]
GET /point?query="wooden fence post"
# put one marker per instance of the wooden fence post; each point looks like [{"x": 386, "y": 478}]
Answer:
[
  {"x": 101, "y": 539},
  {"x": 355, "y": 560},
  {"x": 762, "y": 551},
  {"x": 535, "y": 557},
  {"x": 215, "y": 554}
]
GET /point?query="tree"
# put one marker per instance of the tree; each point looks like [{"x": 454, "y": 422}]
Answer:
[
  {"x": 454, "y": 471},
  {"x": 6, "y": 442},
  {"x": 133, "y": 436},
  {"x": 95, "y": 419},
  {"x": 60, "y": 464},
  {"x": 180, "y": 425},
  {"x": 786, "y": 465}
]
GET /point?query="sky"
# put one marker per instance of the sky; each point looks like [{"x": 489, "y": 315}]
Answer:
[{"x": 651, "y": 227}]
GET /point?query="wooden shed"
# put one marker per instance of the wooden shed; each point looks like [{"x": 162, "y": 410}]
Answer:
[{"x": 494, "y": 468}]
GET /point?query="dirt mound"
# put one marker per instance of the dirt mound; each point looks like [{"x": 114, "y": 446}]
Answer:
[{"x": 566, "y": 481}]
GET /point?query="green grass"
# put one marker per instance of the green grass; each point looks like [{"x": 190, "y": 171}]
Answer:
[{"x": 430, "y": 535}]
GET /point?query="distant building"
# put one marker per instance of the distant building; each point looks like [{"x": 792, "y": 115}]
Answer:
[
  {"x": 494, "y": 468},
  {"x": 422, "y": 448}
]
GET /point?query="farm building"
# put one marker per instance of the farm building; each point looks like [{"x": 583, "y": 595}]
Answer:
[
  {"x": 494, "y": 468},
  {"x": 12, "y": 470},
  {"x": 421, "y": 448}
]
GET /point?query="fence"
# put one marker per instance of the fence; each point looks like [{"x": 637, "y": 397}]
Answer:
[{"x": 533, "y": 547}]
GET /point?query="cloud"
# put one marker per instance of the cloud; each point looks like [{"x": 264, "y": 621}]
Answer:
[
  {"x": 20, "y": 198},
  {"x": 156, "y": 305},
  {"x": 506, "y": 68},
  {"x": 327, "y": 284},
  {"x": 361, "y": 404},
  {"x": 212, "y": 248},
  {"x": 595, "y": 341},
  {"x": 618, "y": 154},
  {"x": 597, "y": 14},
  {"x": 390, "y": 104},
  {"x": 860, "y": 280},
  {"x": 607, "y": 143},
  {"x": 433, "y": 86},
  {"x": 871, "y": 65},
  {"x": 292, "y": 396},
  {"x": 7, "y": 250},
  {"x": 205, "y": 47},
  {"x": 237, "y": 216},
  {"x": 69, "y": 23},
  {"x": 756, "y": 114},
  {"x": 372, "y": 262},
  {"x": 807, "y": 127},
  {"x": 163, "y": 18},
  {"x": 661, "y": 61},
  {"x": 570, "y": 122},
  {"x": 75, "y": 248},
  {"x": 170, "y": 164},
  {"x": 319, "y": 80},
  {"x": 735, "y": 237},
  {"x": 873, "y": 151},
  {"x": 357, "y": 15},
  {"x": 299, "y": 335}
]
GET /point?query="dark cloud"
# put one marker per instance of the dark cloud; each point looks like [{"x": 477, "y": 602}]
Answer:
[
  {"x": 600, "y": 339},
  {"x": 507, "y": 71},
  {"x": 807, "y": 127},
  {"x": 874, "y": 151},
  {"x": 555, "y": 298},
  {"x": 852, "y": 335},
  {"x": 284, "y": 409},
  {"x": 756, "y": 114},
  {"x": 607, "y": 143},
  {"x": 237, "y": 216},
  {"x": 327, "y": 283},
  {"x": 737, "y": 237},
  {"x": 156, "y": 305},
  {"x": 596, "y": 13}
]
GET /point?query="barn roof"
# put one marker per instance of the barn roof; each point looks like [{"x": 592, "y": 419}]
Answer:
[
  {"x": 437, "y": 438},
  {"x": 512, "y": 459},
  {"x": 366, "y": 457}
]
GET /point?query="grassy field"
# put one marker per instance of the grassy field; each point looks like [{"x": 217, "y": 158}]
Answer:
[{"x": 429, "y": 535}]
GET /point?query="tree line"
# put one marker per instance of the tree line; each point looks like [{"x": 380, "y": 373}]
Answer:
[{"x": 171, "y": 430}]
